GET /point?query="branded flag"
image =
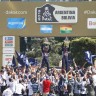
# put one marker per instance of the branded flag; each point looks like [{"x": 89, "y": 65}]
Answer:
[{"x": 66, "y": 29}]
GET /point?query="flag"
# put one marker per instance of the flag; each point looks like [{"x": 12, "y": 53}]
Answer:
[
  {"x": 13, "y": 62},
  {"x": 88, "y": 57},
  {"x": 31, "y": 61},
  {"x": 25, "y": 61},
  {"x": 66, "y": 29},
  {"x": 20, "y": 58},
  {"x": 18, "y": 54}
]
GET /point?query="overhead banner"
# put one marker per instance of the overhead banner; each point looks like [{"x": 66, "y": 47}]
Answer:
[
  {"x": 50, "y": 13},
  {"x": 47, "y": 19}
]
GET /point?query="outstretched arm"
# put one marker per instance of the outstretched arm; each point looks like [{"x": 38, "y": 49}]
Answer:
[
  {"x": 49, "y": 49},
  {"x": 74, "y": 63}
]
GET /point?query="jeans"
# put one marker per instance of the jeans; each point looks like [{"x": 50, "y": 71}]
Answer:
[
  {"x": 45, "y": 61},
  {"x": 65, "y": 62}
]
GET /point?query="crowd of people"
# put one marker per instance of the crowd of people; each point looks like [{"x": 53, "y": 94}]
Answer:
[
  {"x": 36, "y": 81},
  {"x": 39, "y": 80}
]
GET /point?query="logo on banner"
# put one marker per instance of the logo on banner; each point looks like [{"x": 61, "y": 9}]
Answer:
[
  {"x": 46, "y": 28},
  {"x": 50, "y": 13},
  {"x": 65, "y": 29},
  {"x": 16, "y": 23},
  {"x": 91, "y": 23},
  {"x": 8, "y": 41},
  {"x": 7, "y": 59}
]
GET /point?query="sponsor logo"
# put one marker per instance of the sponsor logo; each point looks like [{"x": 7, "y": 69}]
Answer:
[
  {"x": 15, "y": 12},
  {"x": 8, "y": 50},
  {"x": 8, "y": 41},
  {"x": 46, "y": 28},
  {"x": 91, "y": 23},
  {"x": 50, "y": 13},
  {"x": 16, "y": 23},
  {"x": 8, "y": 38}
]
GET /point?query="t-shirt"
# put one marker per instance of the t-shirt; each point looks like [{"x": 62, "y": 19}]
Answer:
[
  {"x": 46, "y": 86},
  {"x": 83, "y": 87},
  {"x": 19, "y": 88},
  {"x": 77, "y": 87},
  {"x": 7, "y": 92},
  {"x": 94, "y": 80},
  {"x": 30, "y": 92}
]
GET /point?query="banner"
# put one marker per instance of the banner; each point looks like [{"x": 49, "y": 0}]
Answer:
[
  {"x": 7, "y": 59},
  {"x": 8, "y": 41},
  {"x": 50, "y": 13}
]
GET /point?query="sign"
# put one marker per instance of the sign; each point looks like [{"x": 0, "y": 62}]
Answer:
[
  {"x": 66, "y": 29},
  {"x": 91, "y": 23},
  {"x": 50, "y": 13},
  {"x": 8, "y": 50},
  {"x": 46, "y": 28},
  {"x": 16, "y": 23},
  {"x": 8, "y": 41},
  {"x": 7, "y": 59}
]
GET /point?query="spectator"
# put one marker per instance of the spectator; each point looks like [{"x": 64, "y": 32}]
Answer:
[
  {"x": 7, "y": 92},
  {"x": 46, "y": 86},
  {"x": 19, "y": 91}
]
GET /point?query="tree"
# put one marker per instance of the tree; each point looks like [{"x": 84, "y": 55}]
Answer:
[{"x": 78, "y": 46}]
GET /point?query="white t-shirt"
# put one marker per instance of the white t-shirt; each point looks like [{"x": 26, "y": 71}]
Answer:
[
  {"x": 19, "y": 88},
  {"x": 7, "y": 92},
  {"x": 83, "y": 88},
  {"x": 7, "y": 79},
  {"x": 30, "y": 88},
  {"x": 77, "y": 87},
  {"x": 12, "y": 86},
  {"x": 94, "y": 79}
]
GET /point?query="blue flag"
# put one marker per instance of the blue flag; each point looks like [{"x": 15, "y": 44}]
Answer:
[
  {"x": 88, "y": 57},
  {"x": 23, "y": 60},
  {"x": 32, "y": 61},
  {"x": 13, "y": 62},
  {"x": 20, "y": 58}
]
